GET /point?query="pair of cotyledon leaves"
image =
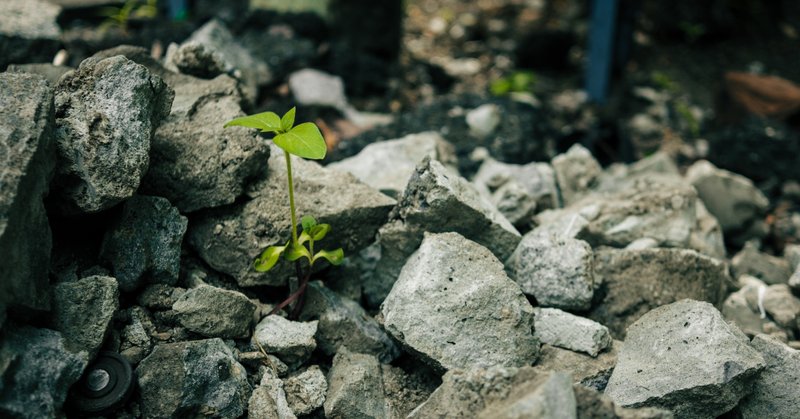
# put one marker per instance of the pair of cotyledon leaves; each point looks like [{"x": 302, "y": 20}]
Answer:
[
  {"x": 311, "y": 232},
  {"x": 303, "y": 140}
]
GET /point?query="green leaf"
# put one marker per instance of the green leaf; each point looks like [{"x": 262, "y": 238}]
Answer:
[
  {"x": 304, "y": 237},
  {"x": 304, "y": 141},
  {"x": 318, "y": 232},
  {"x": 335, "y": 257},
  {"x": 269, "y": 257},
  {"x": 266, "y": 122},
  {"x": 297, "y": 252},
  {"x": 288, "y": 120},
  {"x": 308, "y": 222}
]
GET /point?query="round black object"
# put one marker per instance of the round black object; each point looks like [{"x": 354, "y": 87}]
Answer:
[{"x": 104, "y": 387}]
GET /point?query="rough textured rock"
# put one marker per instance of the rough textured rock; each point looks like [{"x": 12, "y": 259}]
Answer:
[
  {"x": 27, "y": 161},
  {"x": 36, "y": 370},
  {"x": 406, "y": 390},
  {"x": 742, "y": 307},
  {"x": 135, "y": 340},
  {"x": 268, "y": 400},
  {"x": 768, "y": 268},
  {"x": 518, "y": 191},
  {"x": 290, "y": 341},
  {"x": 159, "y": 296},
  {"x": 106, "y": 113},
  {"x": 557, "y": 272},
  {"x": 483, "y": 120},
  {"x": 551, "y": 397},
  {"x": 684, "y": 357},
  {"x": 565, "y": 330},
  {"x": 577, "y": 172},
  {"x": 731, "y": 198},
  {"x": 306, "y": 390},
  {"x": 230, "y": 238},
  {"x": 252, "y": 71},
  {"x": 355, "y": 387},
  {"x": 30, "y": 31},
  {"x": 585, "y": 369},
  {"x": 343, "y": 322},
  {"x": 195, "y": 59},
  {"x": 454, "y": 307},
  {"x": 635, "y": 281},
  {"x": 388, "y": 165},
  {"x": 782, "y": 306},
  {"x": 592, "y": 404},
  {"x": 776, "y": 391},
  {"x": 50, "y": 72},
  {"x": 191, "y": 379},
  {"x": 82, "y": 311},
  {"x": 706, "y": 237},
  {"x": 194, "y": 161},
  {"x": 314, "y": 87},
  {"x": 436, "y": 201},
  {"x": 145, "y": 244},
  {"x": 215, "y": 312}
]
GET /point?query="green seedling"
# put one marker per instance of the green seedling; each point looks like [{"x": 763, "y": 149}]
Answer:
[
  {"x": 303, "y": 141},
  {"x": 517, "y": 82},
  {"x": 119, "y": 17}
]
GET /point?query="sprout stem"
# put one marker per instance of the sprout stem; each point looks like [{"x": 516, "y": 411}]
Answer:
[{"x": 291, "y": 196}]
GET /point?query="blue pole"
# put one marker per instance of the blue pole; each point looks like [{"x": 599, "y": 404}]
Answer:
[{"x": 601, "y": 49}]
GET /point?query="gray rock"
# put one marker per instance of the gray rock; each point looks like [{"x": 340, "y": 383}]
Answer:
[
  {"x": 577, "y": 172},
  {"x": 483, "y": 120},
  {"x": 436, "y": 201},
  {"x": 194, "y": 59},
  {"x": 635, "y": 281},
  {"x": 706, "y": 237},
  {"x": 355, "y": 387},
  {"x": 776, "y": 391},
  {"x": 51, "y": 72},
  {"x": 731, "y": 198},
  {"x": 557, "y": 272},
  {"x": 192, "y": 379},
  {"x": 82, "y": 311},
  {"x": 518, "y": 191},
  {"x": 229, "y": 239},
  {"x": 135, "y": 340},
  {"x": 27, "y": 148},
  {"x": 405, "y": 391},
  {"x": 106, "y": 113},
  {"x": 592, "y": 404},
  {"x": 268, "y": 400},
  {"x": 314, "y": 87},
  {"x": 791, "y": 252},
  {"x": 565, "y": 330},
  {"x": 343, "y": 322},
  {"x": 388, "y": 165},
  {"x": 454, "y": 307},
  {"x": 29, "y": 32},
  {"x": 782, "y": 306},
  {"x": 551, "y": 397},
  {"x": 586, "y": 370},
  {"x": 768, "y": 268},
  {"x": 36, "y": 371},
  {"x": 742, "y": 307},
  {"x": 215, "y": 312},
  {"x": 794, "y": 280},
  {"x": 252, "y": 71},
  {"x": 145, "y": 244},
  {"x": 290, "y": 341},
  {"x": 159, "y": 296},
  {"x": 305, "y": 391},
  {"x": 684, "y": 357},
  {"x": 194, "y": 161}
]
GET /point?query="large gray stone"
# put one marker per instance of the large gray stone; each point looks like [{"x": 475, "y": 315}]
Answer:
[
  {"x": 565, "y": 330},
  {"x": 684, "y": 357},
  {"x": 305, "y": 391},
  {"x": 106, "y": 113},
  {"x": 388, "y": 165},
  {"x": 768, "y": 268},
  {"x": 145, "y": 244},
  {"x": 558, "y": 272},
  {"x": 194, "y": 161},
  {"x": 230, "y": 238},
  {"x": 577, "y": 172},
  {"x": 292, "y": 342},
  {"x": 405, "y": 390},
  {"x": 776, "y": 391},
  {"x": 782, "y": 306},
  {"x": 355, "y": 387},
  {"x": 343, "y": 322},
  {"x": 268, "y": 400},
  {"x": 518, "y": 191},
  {"x": 454, "y": 307},
  {"x": 634, "y": 282},
  {"x": 194, "y": 59},
  {"x": 215, "y": 312},
  {"x": 29, "y": 31},
  {"x": 36, "y": 371},
  {"x": 82, "y": 311},
  {"x": 731, "y": 198},
  {"x": 27, "y": 161},
  {"x": 192, "y": 379},
  {"x": 436, "y": 200}
]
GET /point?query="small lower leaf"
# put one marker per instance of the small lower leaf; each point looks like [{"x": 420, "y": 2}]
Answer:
[
  {"x": 297, "y": 252},
  {"x": 319, "y": 231},
  {"x": 269, "y": 257},
  {"x": 335, "y": 257},
  {"x": 304, "y": 237},
  {"x": 308, "y": 222}
]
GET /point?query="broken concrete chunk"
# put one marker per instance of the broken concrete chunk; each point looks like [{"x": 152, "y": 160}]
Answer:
[
  {"x": 355, "y": 387},
  {"x": 684, "y": 357},
  {"x": 305, "y": 391},
  {"x": 82, "y": 311},
  {"x": 290, "y": 341},
  {"x": 776, "y": 391},
  {"x": 768, "y": 268},
  {"x": 577, "y": 172},
  {"x": 559, "y": 328},
  {"x": 551, "y": 398},
  {"x": 268, "y": 400},
  {"x": 454, "y": 307},
  {"x": 585, "y": 369},
  {"x": 215, "y": 312}
]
